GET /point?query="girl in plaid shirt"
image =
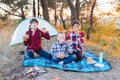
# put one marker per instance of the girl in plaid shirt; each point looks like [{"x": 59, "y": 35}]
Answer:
[
  {"x": 61, "y": 51},
  {"x": 77, "y": 39}
]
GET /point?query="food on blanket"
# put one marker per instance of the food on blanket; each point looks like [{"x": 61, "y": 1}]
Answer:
[
  {"x": 90, "y": 61},
  {"x": 25, "y": 37},
  {"x": 61, "y": 55}
]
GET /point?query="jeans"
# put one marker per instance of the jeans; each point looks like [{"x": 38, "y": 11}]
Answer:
[
  {"x": 78, "y": 54},
  {"x": 42, "y": 53},
  {"x": 65, "y": 60}
]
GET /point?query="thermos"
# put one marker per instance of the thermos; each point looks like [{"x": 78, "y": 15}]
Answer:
[{"x": 101, "y": 57}]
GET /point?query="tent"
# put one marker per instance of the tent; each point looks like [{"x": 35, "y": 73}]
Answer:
[{"x": 23, "y": 26}]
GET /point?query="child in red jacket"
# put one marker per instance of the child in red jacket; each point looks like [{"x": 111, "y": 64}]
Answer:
[{"x": 32, "y": 39}]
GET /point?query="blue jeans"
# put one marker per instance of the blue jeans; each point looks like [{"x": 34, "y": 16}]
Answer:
[
  {"x": 66, "y": 60},
  {"x": 42, "y": 53},
  {"x": 78, "y": 54}
]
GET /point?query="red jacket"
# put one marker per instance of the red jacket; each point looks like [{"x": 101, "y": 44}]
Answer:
[{"x": 34, "y": 42}]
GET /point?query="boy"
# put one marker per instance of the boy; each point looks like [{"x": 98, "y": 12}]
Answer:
[{"x": 61, "y": 51}]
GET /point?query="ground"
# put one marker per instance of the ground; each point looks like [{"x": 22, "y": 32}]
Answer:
[{"x": 13, "y": 70}]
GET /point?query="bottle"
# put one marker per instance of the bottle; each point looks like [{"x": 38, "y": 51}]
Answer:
[{"x": 101, "y": 57}]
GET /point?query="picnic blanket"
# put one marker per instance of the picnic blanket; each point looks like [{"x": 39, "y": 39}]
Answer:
[{"x": 80, "y": 66}]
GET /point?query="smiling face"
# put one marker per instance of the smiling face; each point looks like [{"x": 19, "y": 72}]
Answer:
[
  {"x": 34, "y": 26},
  {"x": 61, "y": 38},
  {"x": 76, "y": 26}
]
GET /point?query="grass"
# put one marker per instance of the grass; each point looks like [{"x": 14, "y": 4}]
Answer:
[{"x": 107, "y": 37}]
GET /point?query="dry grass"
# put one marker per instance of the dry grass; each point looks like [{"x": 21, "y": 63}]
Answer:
[
  {"x": 107, "y": 37},
  {"x": 7, "y": 53}
]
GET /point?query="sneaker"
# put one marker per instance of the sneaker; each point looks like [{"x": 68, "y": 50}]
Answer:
[
  {"x": 73, "y": 62},
  {"x": 61, "y": 62}
]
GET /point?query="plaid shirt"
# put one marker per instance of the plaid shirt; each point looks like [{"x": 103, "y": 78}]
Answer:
[
  {"x": 77, "y": 40},
  {"x": 64, "y": 48}
]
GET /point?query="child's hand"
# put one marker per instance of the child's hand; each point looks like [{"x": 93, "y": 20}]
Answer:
[
  {"x": 61, "y": 56},
  {"x": 25, "y": 37},
  {"x": 69, "y": 42},
  {"x": 77, "y": 33},
  {"x": 44, "y": 30}
]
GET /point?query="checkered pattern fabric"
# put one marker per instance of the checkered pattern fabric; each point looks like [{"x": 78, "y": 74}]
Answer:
[
  {"x": 80, "y": 66},
  {"x": 64, "y": 48},
  {"x": 77, "y": 40}
]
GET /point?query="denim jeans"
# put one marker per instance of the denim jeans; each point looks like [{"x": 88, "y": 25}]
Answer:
[
  {"x": 66, "y": 60},
  {"x": 42, "y": 53},
  {"x": 78, "y": 54}
]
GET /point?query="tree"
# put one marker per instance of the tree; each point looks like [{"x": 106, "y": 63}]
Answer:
[
  {"x": 91, "y": 19},
  {"x": 74, "y": 10},
  {"x": 38, "y": 5},
  {"x": 15, "y": 7},
  {"x": 64, "y": 4},
  {"x": 117, "y": 7},
  {"x": 45, "y": 9},
  {"x": 34, "y": 9},
  {"x": 58, "y": 7},
  {"x": 53, "y": 5}
]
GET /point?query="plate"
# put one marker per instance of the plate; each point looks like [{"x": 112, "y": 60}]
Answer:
[{"x": 99, "y": 65}]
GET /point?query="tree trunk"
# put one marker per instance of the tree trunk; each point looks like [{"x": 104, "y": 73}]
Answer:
[
  {"x": 55, "y": 17},
  {"x": 63, "y": 21},
  {"x": 23, "y": 15},
  {"x": 77, "y": 9},
  {"x": 74, "y": 10},
  {"x": 38, "y": 5},
  {"x": 91, "y": 20},
  {"x": 45, "y": 9},
  {"x": 34, "y": 9}
]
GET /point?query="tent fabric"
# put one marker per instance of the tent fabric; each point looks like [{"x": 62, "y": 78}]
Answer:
[
  {"x": 80, "y": 66},
  {"x": 23, "y": 26}
]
